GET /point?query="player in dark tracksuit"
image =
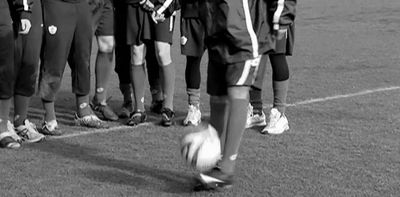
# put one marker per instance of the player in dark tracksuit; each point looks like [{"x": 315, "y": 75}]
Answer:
[
  {"x": 27, "y": 55},
  {"x": 67, "y": 38},
  {"x": 103, "y": 27},
  {"x": 151, "y": 21},
  {"x": 238, "y": 33},
  {"x": 283, "y": 18},
  {"x": 193, "y": 47},
  {"x": 22, "y": 9}
]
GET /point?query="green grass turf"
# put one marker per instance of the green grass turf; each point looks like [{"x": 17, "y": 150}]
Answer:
[{"x": 343, "y": 147}]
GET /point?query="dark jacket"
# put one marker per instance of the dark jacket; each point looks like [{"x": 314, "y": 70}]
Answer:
[{"x": 237, "y": 30}]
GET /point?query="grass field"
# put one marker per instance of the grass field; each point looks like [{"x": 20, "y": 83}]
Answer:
[{"x": 344, "y": 116}]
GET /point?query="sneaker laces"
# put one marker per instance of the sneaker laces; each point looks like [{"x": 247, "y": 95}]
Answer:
[{"x": 191, "y": 113}]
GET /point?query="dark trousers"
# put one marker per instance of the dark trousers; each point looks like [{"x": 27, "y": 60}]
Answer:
[
  {"x": 27, "y": 54},
  {"x": 6, "y": 54},
  {"x": 67, "y": 38}
]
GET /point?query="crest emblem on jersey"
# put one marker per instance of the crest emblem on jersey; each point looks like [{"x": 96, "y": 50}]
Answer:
[
  {"x": 52, "y": 29},
  {"x": 183, "y": 40}
]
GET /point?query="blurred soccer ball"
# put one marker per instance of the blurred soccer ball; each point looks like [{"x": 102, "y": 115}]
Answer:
[{"x": 202, "y": 148}]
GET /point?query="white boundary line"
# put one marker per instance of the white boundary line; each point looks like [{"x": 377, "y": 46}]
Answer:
[{"x": 305, "y": 102}]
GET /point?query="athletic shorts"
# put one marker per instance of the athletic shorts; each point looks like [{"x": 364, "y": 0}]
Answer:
[
  {"x": 6, "y": 55},
  {"x": 161, "y": 31},
  {"x": 222, "y": 76},
  {"x": 103, "y": 18},
  {"x": 192, "y": 37},
  {"x": 285, "y": 40}
]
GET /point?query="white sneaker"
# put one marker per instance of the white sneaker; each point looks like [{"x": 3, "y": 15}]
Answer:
[
  {"x": 193, "y": 116},
  {"x": 11, "y": 130},
  {"x": 277, "y": 124},
  {"x": 254, "y": 119},
  {"x": 29, "y": 133}
]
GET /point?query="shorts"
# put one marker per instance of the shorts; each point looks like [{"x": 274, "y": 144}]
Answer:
[
  {"x": 162, "y": 31},
  {"x": 285, "y": 40},
  {"x": 192, "y": 37},
  {"x": 6, "y": 55},
  {"x": 103, "y": 18},
  {"x": 222, "y": 76}
]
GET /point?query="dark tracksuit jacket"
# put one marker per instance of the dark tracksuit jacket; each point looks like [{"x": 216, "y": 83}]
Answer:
[
  {"x": 67, "y": 38},
  {"x": 10, "y": 8}
]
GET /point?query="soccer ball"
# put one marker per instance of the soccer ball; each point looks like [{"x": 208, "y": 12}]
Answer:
[{"x": 202, "y": 148}]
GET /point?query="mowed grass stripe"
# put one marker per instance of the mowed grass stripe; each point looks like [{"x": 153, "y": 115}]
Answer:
[{"x": 305, "y": 102}]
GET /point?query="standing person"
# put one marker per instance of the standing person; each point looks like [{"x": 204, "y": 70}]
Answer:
[
  {"x": 283, "y": 17},
  {"x": 151, "y": 21},
  {"x": 193, "y": 47},
  {"x": 27, "y": 55},
  {"x": 8, "y": 138},
  {"x": 68, "y": 37},
  {"x": 237, "y": 36},
  {"x": 122, "y": 65},
  {"x": 103, "y": 28}
]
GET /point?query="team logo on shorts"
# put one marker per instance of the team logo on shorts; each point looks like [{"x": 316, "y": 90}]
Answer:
[
  {"x": 52, "y": 29},
  {"x": 183, "y": 40}
]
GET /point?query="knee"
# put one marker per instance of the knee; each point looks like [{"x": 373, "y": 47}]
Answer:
[{"x": 106, "y": 45}]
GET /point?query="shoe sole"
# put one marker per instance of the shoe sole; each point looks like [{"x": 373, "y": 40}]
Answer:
[
  {"x": 257, "y": 124},
  {"x": 275, "y": 133},
  {"x": 35, "y": 140}
]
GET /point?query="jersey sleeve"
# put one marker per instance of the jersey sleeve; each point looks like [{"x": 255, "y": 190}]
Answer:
[{"x": 23, "y": 8}]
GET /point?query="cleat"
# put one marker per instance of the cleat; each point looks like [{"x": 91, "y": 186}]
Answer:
[
  {"x": 156, "y": 106},
  {"x": 29, "y": 133},
  {"x": 126, "y": 110},
  {"x": 277, "y": 124},
  {"x": 6, "y": 141},
  {"x": 11, "y": 130},
  {"x": 167, "y": 116},
  {"x": 193, "y": 116},
  {"x": 137, "y": 118},
  {"x": 255, "y": 119},
  {"x": 105, "y": 110},
  {"x": 90, "y": 121},
  {"x": 213, "y": 180},
  {"x": 50, "y": 128}
]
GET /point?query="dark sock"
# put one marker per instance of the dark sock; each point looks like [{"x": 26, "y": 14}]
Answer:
[
  {"x": 280, "y": 93},
  {"x": 50, "y": 113},
  {"x": 168, "y": 85},
  {"x": 153, "y": 71},
  {"x": 21, "y": 104},
  {"x": 5, "y": 105},
  {"x": 126, "y": 90},
  {"x": 193, "y": 97},
  {"x": 192, "y": 72},
  {"x": 138, "y": 77},
  {"x": 103, "y": 70},
  {"x": 82, "y": 105},
  {"x": 234, "y": 132},
  {"x": 219, "y": 116},
  {"x": 256, "y": 100}
]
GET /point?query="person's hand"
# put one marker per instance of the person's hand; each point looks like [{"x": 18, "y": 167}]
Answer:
[
  {"x": 147, "y": 5},
  {"x": 25, "y": 26},
  {"x": 157, "y": 17}
]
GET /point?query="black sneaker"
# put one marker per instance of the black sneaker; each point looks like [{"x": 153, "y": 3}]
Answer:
[
  {"x": 137, "y": 118},
  {"x": 167, "y": 116},
  {"x": 104, "y": 110},
  {"x": 214, "y": 179},
  {"x": 156, "y": 106}
]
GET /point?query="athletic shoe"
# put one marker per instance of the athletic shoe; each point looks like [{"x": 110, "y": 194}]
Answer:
[
  {"x": 214, "y": 179},
  {"x": 156, "y": 106},
  {"x": 126, "y": 110},
  {"x": 105, "y": 110},
  {"x": 277, "y": 124},
  {"x": 137, "y": 118},
  {"x": 255, "y": 119},
  {"x": 193, "y": 116},
  {"x": 11, "y": 130},
  {"x": 50, "y": 128},
  {"x": 6, "y": 141},
  {"x": 91, "y": 121},
  {"x": 167, "y": 116},
  {"x": 29, "y": 132}
]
